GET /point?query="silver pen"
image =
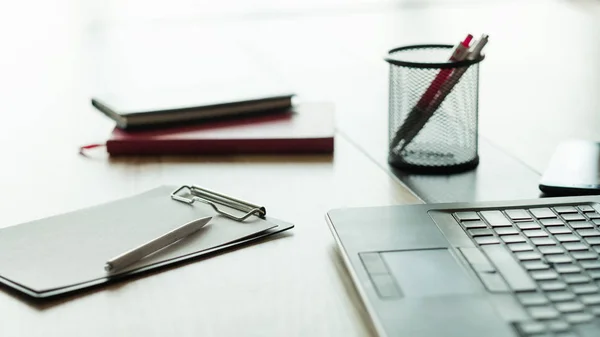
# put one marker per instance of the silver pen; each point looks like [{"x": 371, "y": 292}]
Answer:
[{"x": 154, "y": 245}]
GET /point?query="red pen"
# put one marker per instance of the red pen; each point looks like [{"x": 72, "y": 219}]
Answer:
[{"x": 459, "y": 53}]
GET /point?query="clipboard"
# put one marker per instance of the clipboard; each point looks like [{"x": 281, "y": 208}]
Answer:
[{"x": 64, "y": 253}]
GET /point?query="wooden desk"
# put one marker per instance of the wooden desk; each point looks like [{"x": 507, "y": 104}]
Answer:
[{"x": 295, "y": 285}]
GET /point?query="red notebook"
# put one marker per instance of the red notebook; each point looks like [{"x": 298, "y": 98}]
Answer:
[{"x": 306, "y": 128}]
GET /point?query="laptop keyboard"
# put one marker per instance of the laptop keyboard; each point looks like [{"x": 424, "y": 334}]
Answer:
[{"x": 546, "y": 256}]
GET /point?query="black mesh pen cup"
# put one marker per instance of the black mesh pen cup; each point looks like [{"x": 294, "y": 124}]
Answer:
[{"x": 433, "y": 110}]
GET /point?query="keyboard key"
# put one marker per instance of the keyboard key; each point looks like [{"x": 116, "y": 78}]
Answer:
[
  {"x": 544, "y": 275},
  {"x": 588, "y": 232},
  {"x": 486, "y": 240},
  {"x": 559, "y": 230},
  {"x": 552, "y": 222},
  {"x": 565, "y": 209},
  {"x": 584, "y": 255},
  {"x": 528, "y": 256},
  {"x": 593, "y": 215},
  {"x": 535, "y": 233},
  {"x": 566, "y": 238},
  {"x": 596, "y": 249},
  {"x": 570, "y": 307},
  {"x": 506, "y": 231},
  {"x": 580, "y": 224},
  {"x": 520, "y": 247},
  {"x": 472, "y": 224},
  {"x": 513, "y": 238},
  {"x": 585, "y": 289},
  {"x": 480, "y": 232},
  {"x": 558, "y": 326},
  {"x": 531, "y": 328},
  {"x": 585, "y": 208},
  {"x": 493, "y": 282},
  {"x": 532, "y": 299},
  {"x": 591, "y": 299},
  {"x": 535, "y": 265},
  {"x": 543, "y": 241},
  {"x": 590, "y": 264},
  {"x": 518, "y": 214},
  {"x": 496, "y": 219},
  {"x": 595, "y": 310},
  {"x": 466, "y": 216},
  {"x": 477, "y": 260},
  {"x": 543, "y": 212},
  {"x": 543, "y": 312},
  {"x": 576, "y": 278},
  {"x": 575, "y": 246},
  {"x": 511, "y": 271},
  {"x": 596, "y": 222},
  {"x": 547, "y": 250},
  {"x": 567, "y": 268},
  {"x": 552, "y": 285},
  {"x": 559, "y": 258},
  {"x": 561, "y": 296},
  {"x": 573, "y": 217},
  {"x": 594, "y": 274},
  {"x": 577, "y": 318},
  {"x": 592, "y": 240},
  {"x": 527, "y": 225}
]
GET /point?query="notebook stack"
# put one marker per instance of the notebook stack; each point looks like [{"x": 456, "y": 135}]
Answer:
[{"x": 180, "y": 123}]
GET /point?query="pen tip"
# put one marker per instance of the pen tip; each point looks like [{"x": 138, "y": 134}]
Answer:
[{"x": 467, "y": 40}]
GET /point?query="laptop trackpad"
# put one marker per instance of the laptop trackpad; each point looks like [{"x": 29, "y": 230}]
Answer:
[{"x": 427, "y": 272}]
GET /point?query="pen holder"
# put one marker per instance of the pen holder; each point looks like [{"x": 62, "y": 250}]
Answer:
[{"x": 433, "y": 118}]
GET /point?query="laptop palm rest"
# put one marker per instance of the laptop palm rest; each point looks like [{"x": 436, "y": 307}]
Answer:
[
  {"x": 427, "y": 272},
  {"x": 432, "y": 283}
]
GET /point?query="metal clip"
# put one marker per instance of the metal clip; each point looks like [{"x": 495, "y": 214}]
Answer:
[{"x": 211, "y": 197}]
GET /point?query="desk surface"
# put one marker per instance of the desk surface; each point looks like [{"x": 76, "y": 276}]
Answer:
[{"x": 533, "y": 95}]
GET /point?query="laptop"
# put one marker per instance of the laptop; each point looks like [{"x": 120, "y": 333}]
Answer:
[{"x": 495, "y": 269}]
